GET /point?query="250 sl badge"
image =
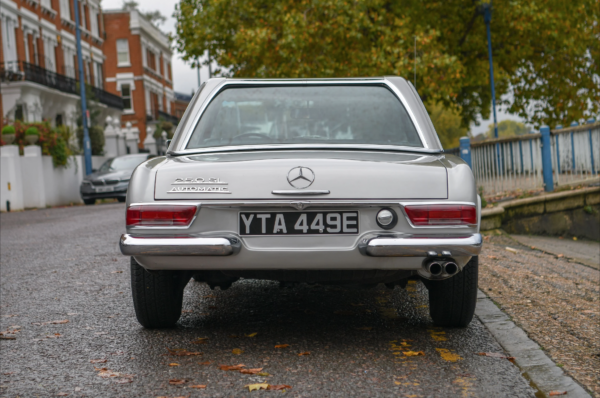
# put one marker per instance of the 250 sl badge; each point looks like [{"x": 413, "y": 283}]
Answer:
[{"x": 199, "y": 181}]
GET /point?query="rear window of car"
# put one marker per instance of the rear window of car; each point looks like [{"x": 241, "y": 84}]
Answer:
[{"x": 305, "y": 115}]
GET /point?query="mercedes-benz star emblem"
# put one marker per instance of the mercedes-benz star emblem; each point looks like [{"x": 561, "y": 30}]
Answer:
[{"x": 301, "y": 177}]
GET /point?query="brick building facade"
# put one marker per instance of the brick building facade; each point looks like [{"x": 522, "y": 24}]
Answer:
[
  {"x": 140, "y": 70},
  {"x": 38, "y": 61}
]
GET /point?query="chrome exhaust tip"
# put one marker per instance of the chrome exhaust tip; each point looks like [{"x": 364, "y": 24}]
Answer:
[
  {"x": 450, "y": 268},
  {"x": 435, "y": 268}
]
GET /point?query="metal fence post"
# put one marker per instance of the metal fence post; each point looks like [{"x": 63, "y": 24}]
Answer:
[
  {"x": 547, "y": 159},
  {"x": 573, "y": 148},
  {"x": 465, "y": 150},
  {"x": 590, "y": 121}
]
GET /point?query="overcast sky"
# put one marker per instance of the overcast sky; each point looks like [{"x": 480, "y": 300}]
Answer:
[{"x": 186, "y": 78}]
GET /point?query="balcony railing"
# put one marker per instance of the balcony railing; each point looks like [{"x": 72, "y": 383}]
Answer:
[
  {"x": 167, "y": 117},
  {"x": 15, "y": 71}
]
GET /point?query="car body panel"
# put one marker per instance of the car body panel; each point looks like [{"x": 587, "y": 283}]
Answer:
[{"x": 345, "y": 175}]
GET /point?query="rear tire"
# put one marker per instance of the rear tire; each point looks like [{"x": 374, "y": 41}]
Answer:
[
  {"x": 157, "y": 296},
  {"x": 452, "y": 301},
  {"x": 89, "y": 201}
]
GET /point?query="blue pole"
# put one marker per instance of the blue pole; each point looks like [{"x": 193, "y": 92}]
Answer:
[
  {"x": 547, "y": 159},
  {"x": 465, "y": 150},
  {"x": 87, "y": 148},
  {"x": 488, "y": 19},
  {"x": 590, "y": 121}
]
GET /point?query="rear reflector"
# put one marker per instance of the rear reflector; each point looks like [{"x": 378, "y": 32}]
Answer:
[
  {"x": 160, "y": 215},
  {"x": 441, "y": 214}
]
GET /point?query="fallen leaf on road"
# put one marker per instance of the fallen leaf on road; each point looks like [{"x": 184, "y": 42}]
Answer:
[
  {"x": 187, "y": 311},
  {"x": 124, "y": 380},
  {"x": 117, "y": 272},
  {"x": 7, "y": 338},
  {"x": 233, "y": 367},
  {"x": 204, "y": 363},
  {"x": 282, "y": 346},
  {"x": 98, "y": 361},
  {"x": 251, "y": 334},
  {"x": 258, "y": 386},
  {"x": 173, "y": 364},
  {"x": 180, "y": 352},
  {"x": 279, "y": 387},
  {"x": 493, "y": 257},
  {"x": 198, "y": 386},
  {"x": 512, "y": 250},
  {"x": 574, "y": 238},
  {"x": 177, "y": 382},
  {"x": 106, "y": 373},
  {"x": 51, "y": 322},
  {"x": 494, "y": 355},
  {"x": 265, "y": 374},
  {"x": 304, "y": 353},
  {"x": 62, "y": 394},
  {"x": 236, "y": 351},
  {"x": 554, "y": 393},
  {"x": 365, "y": 328},
  {"x": 200, "y": 340},
  {"x": 251, "y": 371},
  {"x": 413, "y": 353},
  {"x": 560, "y": 255}
]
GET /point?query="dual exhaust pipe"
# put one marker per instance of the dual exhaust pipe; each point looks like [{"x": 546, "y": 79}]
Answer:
[{"x": 441, "y": 269}]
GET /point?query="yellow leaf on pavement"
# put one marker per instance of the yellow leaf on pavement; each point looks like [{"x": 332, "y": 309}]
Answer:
[
  {"x": 173, "y": 364},
  {"x": 236, "y": 351},
  {"x": 413, "y": 353},
  {"x": 257, "y": 386},
  {"x": 251, "y": 334},
  {"x": 282, "y": 346}
]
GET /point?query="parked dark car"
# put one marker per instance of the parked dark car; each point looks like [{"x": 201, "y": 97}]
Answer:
[{"x": 111, "y": 180}]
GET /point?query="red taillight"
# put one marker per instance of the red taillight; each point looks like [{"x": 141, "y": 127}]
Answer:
[
  {"x": 441, "y": 214},
  {"x": 160, "y": 215}
]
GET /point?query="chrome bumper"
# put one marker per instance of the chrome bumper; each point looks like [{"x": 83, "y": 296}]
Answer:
[
  {"x": 412, "y": 246},
  {"x": 183, "y": 246}
]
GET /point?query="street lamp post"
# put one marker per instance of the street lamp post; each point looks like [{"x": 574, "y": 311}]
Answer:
[
  {"x": 87, "y": 147},
  {"x": 487, "y": 17}
]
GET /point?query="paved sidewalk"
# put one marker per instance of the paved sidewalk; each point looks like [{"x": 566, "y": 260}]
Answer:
[
  {"x": 556, "y": 302},
  {"x": 582, "y": 251}
]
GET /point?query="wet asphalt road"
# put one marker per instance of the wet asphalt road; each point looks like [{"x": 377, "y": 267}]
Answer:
[{"x": 64, "y": 264}]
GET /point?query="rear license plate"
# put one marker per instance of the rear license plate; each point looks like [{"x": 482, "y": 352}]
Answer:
[
  {"x": 105, "y": 189},
  {"x": 299, "y": 223}
]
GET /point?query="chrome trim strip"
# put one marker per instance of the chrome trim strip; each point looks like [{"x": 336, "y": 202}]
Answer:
[
  {"x": 301, "y": 193},
  {"x": 183, "y": 246},
  {"x": 278, "y": 82},
  {"x": 416, "y": 246},
  {"x": 240, "y": 148}
]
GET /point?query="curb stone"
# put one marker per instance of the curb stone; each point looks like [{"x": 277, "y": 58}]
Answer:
[{"x": 528, "y": 355}]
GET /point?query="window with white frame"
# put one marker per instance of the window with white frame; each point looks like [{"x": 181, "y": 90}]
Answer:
[
  {"x": 123, "y": 52},
  {"x": 126, "y": 95},
  {"x": 9, "y": 42},
  {"x": 69, "y": 54},
  {"x": 65, "y": 10},
  {"x": 47, "y": 4},
  {"x": 94, "y": 21},
  {"x": 49, "y": 55}
]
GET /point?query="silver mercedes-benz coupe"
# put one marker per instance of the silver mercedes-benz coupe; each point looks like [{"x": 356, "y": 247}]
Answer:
[{"x": 328, "y": 181}]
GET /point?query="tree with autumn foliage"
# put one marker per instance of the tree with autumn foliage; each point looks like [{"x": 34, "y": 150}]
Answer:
[{"x": 546, "y": 52}]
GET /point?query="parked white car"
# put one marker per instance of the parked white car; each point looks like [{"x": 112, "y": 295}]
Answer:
[{"x": 339, "y": 181}]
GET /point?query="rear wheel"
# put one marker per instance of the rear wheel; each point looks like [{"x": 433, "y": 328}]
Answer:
[
  {"x": 157, "y": 296},
  {"x": 89, "y": 201},
  {"x": 452, "y": 301}
]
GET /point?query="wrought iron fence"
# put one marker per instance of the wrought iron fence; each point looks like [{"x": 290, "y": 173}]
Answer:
[{"x": 18, "y": 70}]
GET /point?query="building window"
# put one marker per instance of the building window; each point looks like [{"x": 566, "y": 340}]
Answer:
[
  {"x": 98, "y": 75},
  {"x": 93, "y": 21},
  {"x": 126, "y": 95},
  {"x": 47, "y": 4},
  {"x": 58, "y": 120},
  {"x": 123, "y": 52},
  {"x": 65, "y": 10},
  {"x": 19, "y": 113}
]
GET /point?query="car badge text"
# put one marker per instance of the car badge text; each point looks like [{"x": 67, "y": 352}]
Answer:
[{"x": 199, "y": 185}]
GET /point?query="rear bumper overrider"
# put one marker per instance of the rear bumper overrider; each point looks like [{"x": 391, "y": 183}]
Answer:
[{"x": 377, "y": 246}]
